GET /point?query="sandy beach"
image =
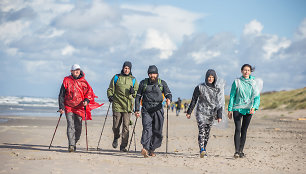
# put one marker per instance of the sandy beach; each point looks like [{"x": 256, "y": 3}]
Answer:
[{"x": 276, "y": 143}]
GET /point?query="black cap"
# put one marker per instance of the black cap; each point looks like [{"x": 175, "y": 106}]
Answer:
[
  {"x": 152, "y": 69},
  {"x": 127, "y": 63}
]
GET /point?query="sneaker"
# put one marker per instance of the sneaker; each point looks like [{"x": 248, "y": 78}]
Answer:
[
  {"x": 236, "y": 155},
  {"x": 115, "y": 143},
  {"x": 152, "y": 154},
  {"x": 71, "y": 148},
  {"x": 203, "y": 153},
  {"x": 123, "y": 149},
  {"x": 241, "y": 155},
  {"x": 144, "y": 152}
]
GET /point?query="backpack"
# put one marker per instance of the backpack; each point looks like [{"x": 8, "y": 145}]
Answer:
[
  {"x": 117, "y": 77},
  {"x": 160, "y": 85}
]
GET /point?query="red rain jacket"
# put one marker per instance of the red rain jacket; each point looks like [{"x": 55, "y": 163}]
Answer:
[{"x": 76, "y": 91}]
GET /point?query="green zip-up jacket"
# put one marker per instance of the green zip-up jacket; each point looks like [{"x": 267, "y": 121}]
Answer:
[
  {"x": 123, "y": 101},
  {"x": 243, "y": 96}
]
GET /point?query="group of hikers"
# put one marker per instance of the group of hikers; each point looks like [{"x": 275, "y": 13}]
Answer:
[
  {"x": 77, "y": 99},
  {"x": 179, "y": 106}
]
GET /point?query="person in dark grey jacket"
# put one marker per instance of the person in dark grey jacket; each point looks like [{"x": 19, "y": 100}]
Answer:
[
  {"x": 210, "y": 98},
  {"x": 151, "y": 91}
]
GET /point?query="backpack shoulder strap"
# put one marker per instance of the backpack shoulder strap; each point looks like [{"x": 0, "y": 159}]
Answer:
[
  {"x": 134, "y": 81},
  {"x": 145, "y": 84},
  {"x": 160, "y": 85},
  {"x": 116, "y": 78}
]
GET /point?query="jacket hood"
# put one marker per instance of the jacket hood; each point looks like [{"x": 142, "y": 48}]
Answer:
[
  {"x": 213, "y": 73},
  {"x": 129, "y": 64},
  {"x": 250, "y": 77}
]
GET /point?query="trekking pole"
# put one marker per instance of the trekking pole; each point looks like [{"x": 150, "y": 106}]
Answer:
[
  {"x": 132, "y": 135},
  {"x": 55, "y": 129},
  {"x": 86, "y": 128},
  {"x": 167, "y": 131},
  {"x": 135, "y": 140},
  {"x": 103, "y": 125}
]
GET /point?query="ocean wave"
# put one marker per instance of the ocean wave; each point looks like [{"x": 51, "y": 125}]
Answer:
[{"x": 28, "y": 101}]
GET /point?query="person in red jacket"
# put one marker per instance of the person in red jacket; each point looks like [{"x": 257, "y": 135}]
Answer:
[{"x": 76, "y": 95}]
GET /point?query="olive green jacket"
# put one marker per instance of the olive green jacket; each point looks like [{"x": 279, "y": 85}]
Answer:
[{"x": 123, "y": 101}]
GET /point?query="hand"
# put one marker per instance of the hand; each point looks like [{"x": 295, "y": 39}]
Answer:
[
  {"x": 137, "y": 114},
  {"x": 230, "y": 114},
  {"x": 85, "y": 103},
  {"x": 132, "y": 91},
  {"x": 61, "y": 111},
  {"x": 219, "y": 120},
  {"x": 110, "y": 98},
  {"x": 168, "y": 102},
  {"x": 252, "y": 110},
  {"x": 188, "y": 116}
]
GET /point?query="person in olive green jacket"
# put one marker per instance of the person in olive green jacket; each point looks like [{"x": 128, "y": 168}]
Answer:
[{"x": 121, "y": 92}]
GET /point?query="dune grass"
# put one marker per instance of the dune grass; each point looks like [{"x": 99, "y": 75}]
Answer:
[{"x": 292, "y": 100}]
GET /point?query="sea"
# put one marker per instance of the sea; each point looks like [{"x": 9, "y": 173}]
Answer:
[{"x": 35, "y": 106}]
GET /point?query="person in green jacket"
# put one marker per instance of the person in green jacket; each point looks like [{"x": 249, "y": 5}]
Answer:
[
  {"x": 244, "y": 101},
  {"x": 121, "y": 92}
]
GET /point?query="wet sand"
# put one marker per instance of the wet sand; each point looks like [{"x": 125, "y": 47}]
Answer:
[{"x": 276, "y": 143}]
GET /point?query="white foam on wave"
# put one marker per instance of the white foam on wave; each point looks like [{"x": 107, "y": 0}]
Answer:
[{"x": 28, "y": 101}]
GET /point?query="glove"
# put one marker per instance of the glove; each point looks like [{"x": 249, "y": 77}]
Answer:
[
  {"x": 110, "y": 98},
  {"x": 132, "y": 91}
]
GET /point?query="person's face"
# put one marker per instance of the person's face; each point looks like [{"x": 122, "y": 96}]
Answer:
[
  {"x": 76, "y": 73},
  {"x": 153, "y": 77},
  {"x": 210, "y": 79},
  {"x": 126, "y": 70},
  {"x": 246, "y": 71}
]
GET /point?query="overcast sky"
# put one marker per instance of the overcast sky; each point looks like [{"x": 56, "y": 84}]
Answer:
[{"x": 41, "y": 39}]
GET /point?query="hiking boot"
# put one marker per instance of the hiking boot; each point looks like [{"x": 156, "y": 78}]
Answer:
[
  {"x": 123, "y": 149},
  {"x": 144, "y": 152},
  {"x": 71, "y": 148},
  {"x": 236, "y": 155},
  {"x": 152, "y": 154},
  {"x": 203, "y": 153},
  {"x": 241, "y": 155},
  {"x": 115, "y": 143}
]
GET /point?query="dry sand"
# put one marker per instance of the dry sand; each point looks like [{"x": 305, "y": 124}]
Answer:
[{"x": 276, "y": 143}]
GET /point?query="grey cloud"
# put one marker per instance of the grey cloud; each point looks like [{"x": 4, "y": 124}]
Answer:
[
  {"x": 26, "y": 13},
  {"x": 103, "y": 44},
  {"x": 89, "y": 17}
]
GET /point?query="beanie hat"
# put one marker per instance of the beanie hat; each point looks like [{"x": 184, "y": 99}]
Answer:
[{"x": 152, "y": 69}]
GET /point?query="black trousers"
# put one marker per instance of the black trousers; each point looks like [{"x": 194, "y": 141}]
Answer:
[
  {"x": 241, "y": 130},
  {"x": 152, "y": 129}
]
